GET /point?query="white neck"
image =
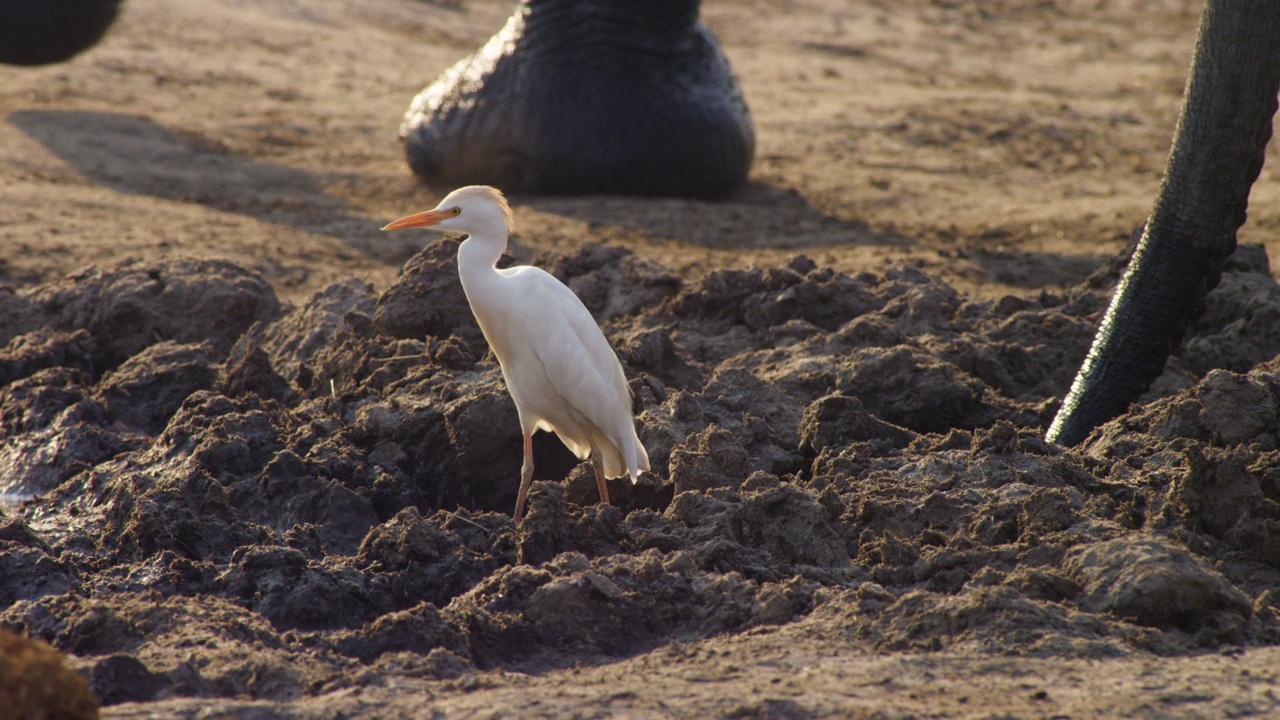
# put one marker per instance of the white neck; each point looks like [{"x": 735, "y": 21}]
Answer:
[{"x": 479, "y": 254}]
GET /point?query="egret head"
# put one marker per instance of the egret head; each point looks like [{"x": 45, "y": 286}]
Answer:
[{"x": 475, "y": 210}]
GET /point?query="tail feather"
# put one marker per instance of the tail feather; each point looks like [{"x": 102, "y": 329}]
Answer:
[
  {"x": 642, "y": 462},
  {"x": 630, "y": 459}
]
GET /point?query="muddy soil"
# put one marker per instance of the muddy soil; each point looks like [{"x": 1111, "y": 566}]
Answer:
[
  {"x": 238, "y": 500},
  {"x": 261, "y": 462}
]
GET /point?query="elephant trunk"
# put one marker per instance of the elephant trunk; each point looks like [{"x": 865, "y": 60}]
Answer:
[{"x": 1217, "y": 154}]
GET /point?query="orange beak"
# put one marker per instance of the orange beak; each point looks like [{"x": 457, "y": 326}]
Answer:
[{"x": 422, "y": 219}]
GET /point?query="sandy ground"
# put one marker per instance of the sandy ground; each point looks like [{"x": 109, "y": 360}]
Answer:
[
  {"x": 1003, "y": 146},
  {"x": 1006, "y": 146}
]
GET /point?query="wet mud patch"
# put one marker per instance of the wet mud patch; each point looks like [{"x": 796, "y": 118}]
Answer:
[{"x": 231, "y": 497}]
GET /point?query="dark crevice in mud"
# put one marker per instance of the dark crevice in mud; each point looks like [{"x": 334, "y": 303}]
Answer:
[{"x": 234, "y": 497}]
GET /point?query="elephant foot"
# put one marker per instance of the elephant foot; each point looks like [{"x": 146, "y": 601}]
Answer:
[
  {"x": 40, "y": 32},
  {"x": 581, "y": 97}
]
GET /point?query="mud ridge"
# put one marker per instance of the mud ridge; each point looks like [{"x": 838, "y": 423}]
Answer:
[{"x": 231, "y": 497}]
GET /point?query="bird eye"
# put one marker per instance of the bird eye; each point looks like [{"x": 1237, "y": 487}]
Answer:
[{"x": 457, "y": 211}]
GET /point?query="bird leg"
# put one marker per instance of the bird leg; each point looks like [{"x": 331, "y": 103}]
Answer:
[
  {"x": 526, "y": 477},
  {"x": 597, "y": 463}
]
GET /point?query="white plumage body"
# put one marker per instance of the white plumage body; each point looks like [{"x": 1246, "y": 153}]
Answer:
[{"x": 557, "y": 364}]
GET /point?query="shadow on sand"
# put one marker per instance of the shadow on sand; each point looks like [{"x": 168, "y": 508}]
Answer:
[
  {"x": 759, "y": 215},
  {"x": 132, "y": 154}
]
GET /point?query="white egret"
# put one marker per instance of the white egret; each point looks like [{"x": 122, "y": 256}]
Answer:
[{"x": 558, "y": 366}]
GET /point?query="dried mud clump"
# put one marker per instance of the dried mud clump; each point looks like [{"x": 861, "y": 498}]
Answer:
[
  {"x": 129, "y": 308},
  {"x": 35, "y": 682},
  {"x": 227, "y": 497}
]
